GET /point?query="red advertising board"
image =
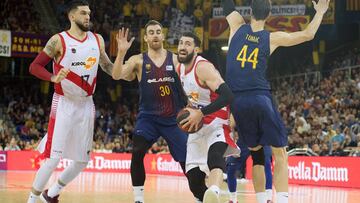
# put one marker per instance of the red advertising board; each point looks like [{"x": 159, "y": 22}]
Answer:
[
  {"x": 321, "y": 171},
  {"x": 154, "y": 163}
]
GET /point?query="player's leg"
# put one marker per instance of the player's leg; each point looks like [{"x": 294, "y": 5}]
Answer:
[
  {"x": 216, "y": 165},
  {"x": 52, "y": 146},
  {"x": 41, "y": 178},
  {"x": 281, "y": 174},
  {"x": 234, "y": 164},
  {"x": 142, "y": 141},
  {"x": 69, "y": 174},
  {"x": 190, "y": 150},
  {"x": 196, "y": 179},
  {"x": 268, "y": 172},
  {"x": 247, "y": 112},
  {"x": 274, "y": 134},
  {"x": 80, "y": 116}
]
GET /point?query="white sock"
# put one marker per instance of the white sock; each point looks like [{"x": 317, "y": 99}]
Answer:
[
  {"x": 197, "y": 200},
  {"x": 282, "y": 197},
  {"x": 233, "y": 196},
  {"x": 215, "y": 188},
  {"x": 269, "y": 194},
  {"x": 138, "y": 193},
  {"x": 32, "y": 198},
  {"x": 261, "y": 197},
  {"x": 55, "y": 189}
]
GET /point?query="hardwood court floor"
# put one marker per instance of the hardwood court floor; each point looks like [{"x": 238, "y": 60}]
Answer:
[{"x": 116, "y": 187}]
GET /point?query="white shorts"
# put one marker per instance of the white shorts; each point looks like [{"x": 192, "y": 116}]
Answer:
[
  {"x": 199, "y": 143},
  {"x": 70, "y": 129}
]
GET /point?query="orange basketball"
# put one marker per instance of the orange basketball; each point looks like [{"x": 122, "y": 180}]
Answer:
[{"x": 184, "y": 113}]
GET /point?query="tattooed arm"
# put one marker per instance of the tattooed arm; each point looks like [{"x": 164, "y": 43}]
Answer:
[
  {"x": 51, "y": 51},
  {"x": 105, "y": 63}
]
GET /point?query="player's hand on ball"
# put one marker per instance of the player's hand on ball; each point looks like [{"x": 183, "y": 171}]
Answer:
[
  {"x": 193, "y": 120},
  {"x": 122, "y": 40},
  {"x": 60, "y": 75}
]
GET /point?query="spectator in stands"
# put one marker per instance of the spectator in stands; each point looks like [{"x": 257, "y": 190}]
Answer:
[
  {"x": 12, "y": 146},
  {"x": 336, "y": 149},
  {"x": 198, "y": 13}
]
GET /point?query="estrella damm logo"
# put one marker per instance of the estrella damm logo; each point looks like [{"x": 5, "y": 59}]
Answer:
[{"x": 90, "y": 62}]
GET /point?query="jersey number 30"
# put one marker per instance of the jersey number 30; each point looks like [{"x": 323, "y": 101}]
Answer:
[
  {"x": 242, "y": 56},
  {"x": 164, "y": 90}
]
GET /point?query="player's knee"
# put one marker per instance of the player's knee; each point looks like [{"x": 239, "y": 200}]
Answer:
[
  {"x": 140, "y": 146},
  {"x": 258, "y": 157},
  {"x": 51, "y": 163},
  {"x": 216, "y": 156},
  {"x": 280, "y": 154},
  {"x": 80, "y": 165}
]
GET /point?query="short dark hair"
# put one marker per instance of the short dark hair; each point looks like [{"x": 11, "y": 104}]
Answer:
[
  {"x": 152, "y": 22},
  {"x": 197, "y": 40},
  {"x": 260, "y": 9},
  {"x": 71, "y": 5}
]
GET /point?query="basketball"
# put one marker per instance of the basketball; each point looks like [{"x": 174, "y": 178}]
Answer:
[{"x": 184, "y": 113}]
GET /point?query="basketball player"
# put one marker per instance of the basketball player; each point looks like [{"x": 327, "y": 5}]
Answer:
[
  {"x": 76, "y": 54},
  {"x": 209, "y": 94},
  {"x": 234, "y": 163},
  {"x": 161, "y": 97},
  {"x": 255, "y": 113}
]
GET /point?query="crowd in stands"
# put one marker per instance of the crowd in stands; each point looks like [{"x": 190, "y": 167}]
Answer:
[{"x": 19, "y": 16}]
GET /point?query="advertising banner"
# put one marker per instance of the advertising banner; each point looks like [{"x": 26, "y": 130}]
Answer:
[
  {"x": 219, "y": 28},
  {"x": 5, "y": 43},
  {"x": 3, "y": 160},
  {"x": 27, "y": 44},
  {"x": 276, "y": 10},
  {"x": 100, "y": 162},
  {"x": 321, "y": 171}
]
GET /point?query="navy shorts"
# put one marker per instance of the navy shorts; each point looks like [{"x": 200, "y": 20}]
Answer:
[
  {"x": 258, "y": 120},
  {"x": 152, "y": 127}
]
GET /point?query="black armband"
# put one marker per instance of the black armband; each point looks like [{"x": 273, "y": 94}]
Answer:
[
  {"x": 225, "y": 97},
  {"x": 228, "y": 6}
]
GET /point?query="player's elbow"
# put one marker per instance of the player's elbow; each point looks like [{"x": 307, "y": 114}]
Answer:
[
  {"x": 32, "y": 68},
  {"x": 115, "y": 77},
  {"x": 308, "y": 36}
]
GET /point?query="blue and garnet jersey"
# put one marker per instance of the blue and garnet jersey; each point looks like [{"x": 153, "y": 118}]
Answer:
[
  {"x": 160, "y": 88},
  {"x": 246, "y": 61}
]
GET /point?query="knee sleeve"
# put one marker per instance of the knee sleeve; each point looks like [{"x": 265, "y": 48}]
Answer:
[
  {"x": 196, "y": 179},
  {"x": 44, "y": 173},
  {"x": 137, "y": 170},
  {"x": 216, "y": 156},
  {"x": 258, "y": 157},
  {"x": 71, "y": 172}
]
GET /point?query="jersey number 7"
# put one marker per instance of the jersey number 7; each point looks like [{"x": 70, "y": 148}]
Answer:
[{"x": 242, "y": 56}]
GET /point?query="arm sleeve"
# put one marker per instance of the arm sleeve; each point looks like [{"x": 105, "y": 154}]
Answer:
[
  {"x": 225, "y": 97},
  {"x": 37, "y": 67}
]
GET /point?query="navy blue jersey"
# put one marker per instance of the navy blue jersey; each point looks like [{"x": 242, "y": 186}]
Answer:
[
  {"x": 160, "y": 88},
  {"x": 246, "y": 61}
]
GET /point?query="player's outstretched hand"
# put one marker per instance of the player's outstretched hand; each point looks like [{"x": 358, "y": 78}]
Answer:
[
  {"x": 122, "y": 40},
  {"x": 321, "y": 6},
  {"x": 60, "y": 75}
]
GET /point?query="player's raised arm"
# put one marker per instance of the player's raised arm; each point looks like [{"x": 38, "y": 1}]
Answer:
[
  {"x": 278, "y": 39},
  {"x": 233, "y": 17},
  {"x": 123, "y": 70},
  {"x": 51, "y": 51}
]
